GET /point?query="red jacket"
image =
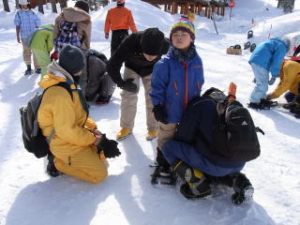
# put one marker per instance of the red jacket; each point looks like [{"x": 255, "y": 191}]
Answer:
[{"x": 119, "y": 18}]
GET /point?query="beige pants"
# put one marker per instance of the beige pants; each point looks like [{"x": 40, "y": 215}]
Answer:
[
  {"x": 129, "y": 102},
  {"x": 27, "y": 56},
  {"x": 165, "y": 133}
]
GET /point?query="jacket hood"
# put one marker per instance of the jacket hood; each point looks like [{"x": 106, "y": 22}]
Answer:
[
  {"x": 74, "y": 14},
  {"x": 55, "y": 75}
]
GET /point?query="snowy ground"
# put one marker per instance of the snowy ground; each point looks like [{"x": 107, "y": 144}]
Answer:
[{"x": 29, "y": 196}]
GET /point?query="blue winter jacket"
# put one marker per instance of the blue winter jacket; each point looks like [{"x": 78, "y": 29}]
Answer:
[
  {"x": 269, "y": 55},
  {"x": 174, "y": 84}
]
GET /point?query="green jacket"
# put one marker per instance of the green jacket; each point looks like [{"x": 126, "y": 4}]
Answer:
[{"x": 42, "y": 38}]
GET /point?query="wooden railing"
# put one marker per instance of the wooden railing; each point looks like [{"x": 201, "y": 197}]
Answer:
[{"x": 199, "y": 7}]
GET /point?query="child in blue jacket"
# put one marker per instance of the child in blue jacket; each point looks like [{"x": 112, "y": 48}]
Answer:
[
  {"x": 266, "y": 58},
  {"x": 26, "y": 22},
  {"x": 176, "y": 79}
]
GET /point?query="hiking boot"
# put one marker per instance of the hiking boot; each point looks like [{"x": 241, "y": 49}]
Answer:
[
  {"x": 152, "y": 134},
  {"x": 123, "y": 133},
  {"x": 51, "y": 169},
  {"x": 198, "y": 185},
  {"x": 38, "y": 71},
  {"x": 28, "y": 71},
  {"x": 243, "y": 189}
]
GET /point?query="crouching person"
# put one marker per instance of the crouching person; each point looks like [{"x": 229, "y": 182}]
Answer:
[
  {"x": 78, "y": 148},
  {"x": 194, "y": 158},
  {"x": 289, "y": 79},
  {"x": 96, "y": 84}
]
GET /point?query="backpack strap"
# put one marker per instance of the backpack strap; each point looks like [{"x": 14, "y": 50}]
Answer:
[{"x": 65, "y": 85}]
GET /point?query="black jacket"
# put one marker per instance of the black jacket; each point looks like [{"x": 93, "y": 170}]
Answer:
[
  {"x": 130, "y": 52},
  {"x": 197, "y": 128}
]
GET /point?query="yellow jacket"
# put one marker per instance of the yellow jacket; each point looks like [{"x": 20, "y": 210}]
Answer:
[
  {"x": 67, "y": 117},
  {"x": 72, "y": 142},
  {"x": 289, "y": 79}
]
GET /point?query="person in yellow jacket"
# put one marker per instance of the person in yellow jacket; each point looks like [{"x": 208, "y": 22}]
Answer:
[
  {"x": 118, "y": 20},
  {"x": 289, "y": 80},
  {"x": 79, "y": 149}
]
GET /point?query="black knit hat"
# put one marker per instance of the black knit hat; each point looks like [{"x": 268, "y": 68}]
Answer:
[
  {"x": 152, "y": 41},
  {"x": 71, "y": 59},
  {"x": 82, "y": 5}
]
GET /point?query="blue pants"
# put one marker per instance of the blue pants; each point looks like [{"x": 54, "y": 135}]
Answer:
[
  {"x": 261, "y": 86},
  {"x": 176, "y": 150}
]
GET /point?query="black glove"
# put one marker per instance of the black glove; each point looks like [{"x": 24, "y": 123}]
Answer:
[
  {"x": 160, "y": 114},
  {"x": 109, "y": 147},
  {"x": 128, "y": 85}
]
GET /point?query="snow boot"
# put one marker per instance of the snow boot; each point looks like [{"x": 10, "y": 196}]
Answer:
[
  {"x": 152, "y": 134},
  {"x": 38, "y": 71},
  {"x": 28, "y": 71},
  {"x": 242, "y": 187},
  {"x": 123, "y": 133},
  {"x": 196, "y": 185},
  {"x": 51, "y": 169}
]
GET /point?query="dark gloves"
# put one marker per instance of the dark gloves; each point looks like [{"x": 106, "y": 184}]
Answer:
[
  {"x": 272, "y": 80},
  {"x": 109, "y": 147},
  {"x": 160, "y": 114},
  {"x": 128, "y": 85},
  {"x": 254, "y": 80}
]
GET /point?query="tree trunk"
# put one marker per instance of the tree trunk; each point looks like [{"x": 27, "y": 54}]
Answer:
[
  {"x": 6, "y": 6},
  {"x": 53, "y": 6},
  {"x": 41, "y": 9}
]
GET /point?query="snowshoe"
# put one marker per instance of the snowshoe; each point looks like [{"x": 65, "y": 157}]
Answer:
[
  {"x": 247, "y": 45},
  {"x": 250, "y": 34},
  {"x": 264, "y": 104},
  {"x": 163, "y": 175},
  {"x": 187, "y": 192},
  {"x": 252, "y": 47}
]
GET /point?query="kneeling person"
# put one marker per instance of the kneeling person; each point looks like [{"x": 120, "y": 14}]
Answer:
[{"x": 78, "y": 148}]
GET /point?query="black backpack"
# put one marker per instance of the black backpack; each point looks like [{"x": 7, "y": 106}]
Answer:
[
  {"x": 235, "y": 135},
  {"x": 34, "y": 141}
]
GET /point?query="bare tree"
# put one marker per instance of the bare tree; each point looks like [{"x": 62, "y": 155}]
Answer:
[
  {"x": 6, "y": 6},
  {"x": 53, "y": 5}
]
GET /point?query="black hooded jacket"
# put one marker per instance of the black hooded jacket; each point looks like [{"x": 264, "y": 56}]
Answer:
[{"x": 130, "y": 52}]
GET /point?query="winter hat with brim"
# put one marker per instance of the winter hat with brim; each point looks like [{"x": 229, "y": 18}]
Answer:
[
  {"x": 71, "y": 59},
  {"x": 183, "y": 25},
  {"x": 152, "y": 41},
  {"x": 82, "y": 5},
  {"x": 23, "y": 2}
]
